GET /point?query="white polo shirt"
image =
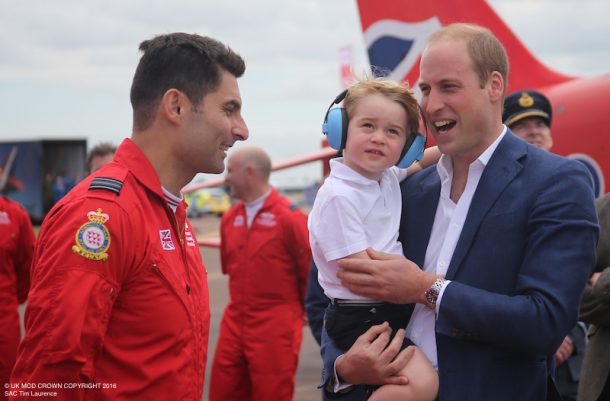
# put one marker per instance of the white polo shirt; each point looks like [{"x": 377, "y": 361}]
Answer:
[{"x": 351, "y": 213}]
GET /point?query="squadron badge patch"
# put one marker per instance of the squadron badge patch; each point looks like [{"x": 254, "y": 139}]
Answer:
[{"x": 93, "y": 238}]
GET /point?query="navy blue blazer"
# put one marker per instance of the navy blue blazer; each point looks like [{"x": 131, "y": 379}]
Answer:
[
  {"x": 519, "y": 268},
  {"x": 315, "y": 303}
]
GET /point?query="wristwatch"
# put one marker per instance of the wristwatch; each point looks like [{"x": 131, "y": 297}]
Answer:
[{"x": 432, "y": 293}]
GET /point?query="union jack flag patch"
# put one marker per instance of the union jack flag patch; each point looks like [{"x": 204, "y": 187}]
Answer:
[{"x": 166, "y": 240}]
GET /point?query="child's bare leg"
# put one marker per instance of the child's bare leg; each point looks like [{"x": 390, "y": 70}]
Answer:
[{"x": 423, "y": 382}]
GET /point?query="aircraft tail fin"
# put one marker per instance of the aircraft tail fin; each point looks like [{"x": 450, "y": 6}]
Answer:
[{"x": 395, "y": 33}]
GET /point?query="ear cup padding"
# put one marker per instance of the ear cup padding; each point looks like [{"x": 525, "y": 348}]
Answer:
[
  {"x": 415, "y": 151},
  {"x": 335, "y": 127}
]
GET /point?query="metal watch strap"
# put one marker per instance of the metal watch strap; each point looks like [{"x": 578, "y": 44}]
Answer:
[{"x": 432, "y": 292}]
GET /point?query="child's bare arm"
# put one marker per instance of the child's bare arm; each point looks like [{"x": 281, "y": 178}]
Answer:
[{"x": 431, "y": 156}]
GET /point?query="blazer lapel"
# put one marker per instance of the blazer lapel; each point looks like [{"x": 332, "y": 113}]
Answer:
[
  {"x": 422, "y": 200},
  {"x": 501, "y": 169}
]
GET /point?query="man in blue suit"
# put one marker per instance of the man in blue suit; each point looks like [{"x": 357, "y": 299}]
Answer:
[{"x": 499, "y": 238}]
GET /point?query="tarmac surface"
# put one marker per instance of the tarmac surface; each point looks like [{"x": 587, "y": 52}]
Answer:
[{"x": 310, "y": 365}]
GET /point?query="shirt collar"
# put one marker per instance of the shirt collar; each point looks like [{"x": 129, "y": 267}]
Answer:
[
  {"x": 172, "y": 200},
  {"x": 343, "y": 172},
  {"x": 445, "y": 168},
  {"x": 131, "y": 156}
]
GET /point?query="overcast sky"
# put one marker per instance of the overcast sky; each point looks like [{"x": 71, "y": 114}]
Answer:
[{"x": 66, "y": 66}]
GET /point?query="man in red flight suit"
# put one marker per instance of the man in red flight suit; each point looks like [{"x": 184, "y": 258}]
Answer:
[
  {"x": 119, "y": 304},
  {"x": 16, "y": 248},
  {"x": 265, "y": 251}
]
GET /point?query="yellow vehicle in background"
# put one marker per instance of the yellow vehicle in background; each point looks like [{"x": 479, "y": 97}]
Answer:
[{"x": 208, "y": 200}]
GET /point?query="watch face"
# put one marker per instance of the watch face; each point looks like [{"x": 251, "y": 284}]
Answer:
[
  {"x": 432, "y": 292},
  {"x": 431, "y": 296}
]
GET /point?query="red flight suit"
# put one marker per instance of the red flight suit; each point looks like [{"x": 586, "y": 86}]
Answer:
[
  {"x": 16, "y": 249},
  {"x": 119, "y": 300},
  {"x": 261, "y": 330}
]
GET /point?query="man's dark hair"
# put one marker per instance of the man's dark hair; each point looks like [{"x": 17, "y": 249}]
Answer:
[
  {"x": 101, "y": 149},
  {"x": 189, "y": 63}
]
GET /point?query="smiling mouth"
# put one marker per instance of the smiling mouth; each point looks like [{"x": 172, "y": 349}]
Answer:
[{"x": 444, "y": 125}]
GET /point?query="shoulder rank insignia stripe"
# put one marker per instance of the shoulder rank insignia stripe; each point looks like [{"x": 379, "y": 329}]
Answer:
[{"x": 108, "y": 184}]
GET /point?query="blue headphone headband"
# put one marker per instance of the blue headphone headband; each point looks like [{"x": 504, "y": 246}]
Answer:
[{"x": 335, "y": 128}]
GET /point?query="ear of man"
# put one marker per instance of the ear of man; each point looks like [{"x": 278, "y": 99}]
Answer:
[
  {"x": 496, "y": 87},
  {"x": 173, "y": 105}
]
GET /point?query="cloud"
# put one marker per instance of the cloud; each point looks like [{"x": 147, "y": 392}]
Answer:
[
  {"x": 570, "y": 36},
  {"x": 66, "y": 66}
]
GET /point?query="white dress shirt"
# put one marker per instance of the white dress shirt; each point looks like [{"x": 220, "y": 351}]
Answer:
[{"x": 446, "y": 230}]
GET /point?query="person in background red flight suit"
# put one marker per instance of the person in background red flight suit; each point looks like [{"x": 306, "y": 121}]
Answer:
[
  {"x": 265, "y": 251},
  {"x": 16, "y": 248},
  {"x": 119, "y": 304}
]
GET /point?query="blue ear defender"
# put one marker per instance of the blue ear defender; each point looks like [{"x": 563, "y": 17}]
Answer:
[
  {"x": 335, "y": 128},
  {"x": 335, "y": 124},
  {"x": 413, "y": 151}
]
